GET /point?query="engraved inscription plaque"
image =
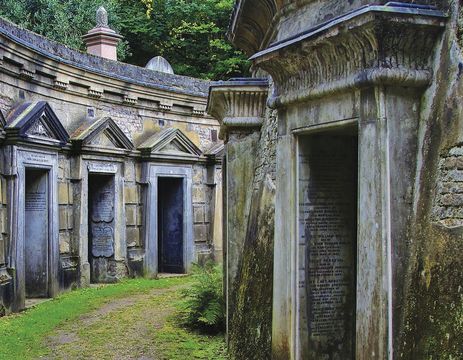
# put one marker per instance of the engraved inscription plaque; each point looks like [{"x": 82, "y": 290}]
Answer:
[
  {"x": 99, "y": 167},
  {"x": 102, "y": 240},
  {"x": 101, "y": 215},
  {"x": 328, "y": 223},
  {"x": 36, "y": 200},
  {"x": 103, "y": 203}
]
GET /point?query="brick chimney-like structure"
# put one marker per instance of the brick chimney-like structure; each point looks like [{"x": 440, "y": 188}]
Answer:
[{"x": 101, "y": 40}]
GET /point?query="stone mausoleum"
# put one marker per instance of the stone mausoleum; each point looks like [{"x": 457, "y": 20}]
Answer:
[
  {"x": 107, "y": 170},
  {"x": 343, "y": 175}
]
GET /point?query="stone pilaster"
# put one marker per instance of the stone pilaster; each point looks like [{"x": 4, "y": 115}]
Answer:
[{"x": 240, "y": 108}]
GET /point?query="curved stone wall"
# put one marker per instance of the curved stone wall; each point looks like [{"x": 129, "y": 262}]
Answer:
[{"x": 120, "y": 121}]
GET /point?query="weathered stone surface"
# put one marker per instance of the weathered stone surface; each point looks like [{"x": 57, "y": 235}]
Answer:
[
  {"x": 199, "y": 195},
  {"x": 404, "y": 111},
  {"x": 133, "y": 236},
  {"x": 130, "y": 213},
  {"x": 63, "y": 218},
  {"x": 63, "y": 194},
  {"x": 64, "y": 243},
  {"x": 131, "y": 195},
  {"x": 129, "y": 174},
  {"x": 198, "y": 214},
  {"x": 201, "y": 232},
  {"x": 250, "y": 327}
]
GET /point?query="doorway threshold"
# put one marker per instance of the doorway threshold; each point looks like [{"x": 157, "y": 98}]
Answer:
[
  {"x": 170, "y": 275},
  {"x": 33, "y": 302}
]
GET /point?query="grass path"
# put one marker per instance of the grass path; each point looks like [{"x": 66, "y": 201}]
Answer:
[{"x": 135, "y": 319}]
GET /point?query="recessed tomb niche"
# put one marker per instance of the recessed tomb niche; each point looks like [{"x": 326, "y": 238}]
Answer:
[
  {"x": 327, "y": 245},
  {"x": 170, "y": 225},
  {"x": 101, "y": 198},
  {"x": 36, "y": 240}
]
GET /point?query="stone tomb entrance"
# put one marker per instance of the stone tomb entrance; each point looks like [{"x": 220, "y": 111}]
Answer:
[
  {"x": 169, "y": 243},
  {"x": 328, "y": 169},
  {"x": 101, "y": 200},
  {"x": 170, "y": 225},
  {"x": 36, "y": 242}
]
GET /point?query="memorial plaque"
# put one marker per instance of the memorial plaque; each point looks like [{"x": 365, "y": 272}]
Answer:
[
  {"x": 36, "y": 200},
  {"x": 328, "y": 225},
  {"x": 103, "y": 203},
  {"x": 38, "y": 158},
  {"x": 102, "y": 167},
  {"x": 102, "y": 240},
  {"x": 101, "y": 216}
]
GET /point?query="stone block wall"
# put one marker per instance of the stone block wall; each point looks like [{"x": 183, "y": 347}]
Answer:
[
  {"x": 68, "y": 245},
  {"x": 448, "y": 205},
  {"x": 201, "y": 214},
  {"x": 134, "y": 206}
]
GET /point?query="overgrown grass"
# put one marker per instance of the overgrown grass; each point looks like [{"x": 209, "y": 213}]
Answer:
[
  {"x": 175, "y": 342},
  {"x": 22, "y": 336}
]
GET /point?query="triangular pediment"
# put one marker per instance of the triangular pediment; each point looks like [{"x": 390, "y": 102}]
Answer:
[
  {"x": 170, "y": 142},
  {"x": 174, "y": 147},
  {"x": 36, "y": 120},
  {"x": 103, "y": 133}
]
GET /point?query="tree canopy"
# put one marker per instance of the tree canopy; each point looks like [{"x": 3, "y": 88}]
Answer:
[{"x": 190, "y": 34}]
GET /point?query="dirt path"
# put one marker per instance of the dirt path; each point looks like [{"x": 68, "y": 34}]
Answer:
[{"x": 122, "y": 329}]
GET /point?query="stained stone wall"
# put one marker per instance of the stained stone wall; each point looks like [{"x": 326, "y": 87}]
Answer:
[
  {"x": 407, "y": 116},
  {"x": 250, "y": 319}
]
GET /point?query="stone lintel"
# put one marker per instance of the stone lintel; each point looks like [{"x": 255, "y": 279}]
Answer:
[
  {"x": 373, "y": 45},
  {"x": 239, "y": 105}
]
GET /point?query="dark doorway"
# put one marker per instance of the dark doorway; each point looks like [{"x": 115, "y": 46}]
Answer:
[
  {"x": 328, "y": 168},
  {"x": 101, "y": 198},
  {"x": 170, "y": 229},
  {"x": 36, "y": 239}
]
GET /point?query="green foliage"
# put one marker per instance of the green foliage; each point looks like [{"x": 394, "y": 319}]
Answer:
[
  {"x": 204, "y": 306},
  {"x": 190, "y": 34},
  {"x": 64, "y": 21}
]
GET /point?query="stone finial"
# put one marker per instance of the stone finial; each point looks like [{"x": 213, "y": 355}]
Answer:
[
  {"x": 101, "y": 40},
  {"x": 101, "y": 17}
]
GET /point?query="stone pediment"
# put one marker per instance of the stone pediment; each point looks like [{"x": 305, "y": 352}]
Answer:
[
  {"x": 103, "y": 133},
  {"x": 170, "y": 142},
  {"x": 35, "y": 121},
  {"x": 217, "y": 151}
]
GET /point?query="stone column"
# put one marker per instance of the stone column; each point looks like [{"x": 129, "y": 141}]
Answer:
[{"x": 240, "y": 108}]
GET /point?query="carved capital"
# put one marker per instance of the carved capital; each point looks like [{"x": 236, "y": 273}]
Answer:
[
  {"x": 382, "y": 44},
  {"x": 238, "y": 104}
]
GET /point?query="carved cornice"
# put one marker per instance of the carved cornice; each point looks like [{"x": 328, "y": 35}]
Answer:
[
  {"x": 250, "y": 22},
  {"x": 372, "y": 45},
  {"x": 238, "y": 104}
]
